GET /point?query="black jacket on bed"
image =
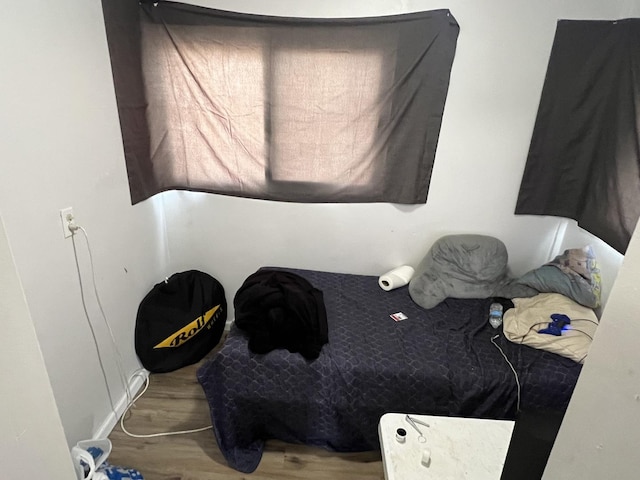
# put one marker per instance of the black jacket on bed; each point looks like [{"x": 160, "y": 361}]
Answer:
[{"x": 279, "y": 309}]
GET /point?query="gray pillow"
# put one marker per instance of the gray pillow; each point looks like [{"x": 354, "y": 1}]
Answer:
[
  {"x": 550, "y": 279},
  {"x": 460, "y": 266}
]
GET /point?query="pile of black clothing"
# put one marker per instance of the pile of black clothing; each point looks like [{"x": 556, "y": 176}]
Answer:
[{"x": 279, "y": 309}]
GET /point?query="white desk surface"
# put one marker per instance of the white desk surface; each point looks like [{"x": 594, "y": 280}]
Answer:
[{"x": 460, "y": 448}]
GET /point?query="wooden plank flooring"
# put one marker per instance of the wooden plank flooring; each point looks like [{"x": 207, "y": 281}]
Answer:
[{"x": 175, "y": 401}]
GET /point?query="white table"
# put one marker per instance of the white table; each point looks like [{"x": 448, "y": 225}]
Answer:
[{"x": 455, "y": 448}]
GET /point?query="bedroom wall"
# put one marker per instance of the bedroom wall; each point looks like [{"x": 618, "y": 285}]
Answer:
[
  {"x": 497, "y": 77},
  {"x": 61, "y": 147},
  {"x": 28, "y": 415},
  {"x": 599, "y": 435}
]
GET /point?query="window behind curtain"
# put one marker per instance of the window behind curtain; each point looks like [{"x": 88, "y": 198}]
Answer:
[
  {"x": 584, "y": 158},
  {"x": 277, "y": 108}
]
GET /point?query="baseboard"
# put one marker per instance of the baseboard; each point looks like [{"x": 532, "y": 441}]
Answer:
[
  {"x": 112, "y": 419},
  {"x": 227, "y": 325}
]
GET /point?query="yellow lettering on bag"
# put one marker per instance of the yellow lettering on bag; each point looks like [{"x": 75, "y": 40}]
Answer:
[{"x": 188, "y": 332}]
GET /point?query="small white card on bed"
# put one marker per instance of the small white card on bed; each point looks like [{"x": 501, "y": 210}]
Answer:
[
  {"x": 399, "y": 316},
  {"x": 453, "y": 449}
]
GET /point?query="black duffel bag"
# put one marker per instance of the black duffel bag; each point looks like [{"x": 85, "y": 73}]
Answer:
[{"x": 179, "y": 321}]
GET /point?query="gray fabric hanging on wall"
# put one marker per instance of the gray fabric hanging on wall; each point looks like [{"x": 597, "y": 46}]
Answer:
[
  {"x": 584, "y": 158},
  {"x": 305, "y": 110}
]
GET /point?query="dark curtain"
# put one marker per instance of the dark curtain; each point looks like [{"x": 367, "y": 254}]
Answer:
[
  {"x": 305, "y": 110},
  {"x": 584, "y": 158}
]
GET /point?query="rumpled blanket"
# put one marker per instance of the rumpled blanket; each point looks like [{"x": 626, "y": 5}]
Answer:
[
  {"x": 279, "y": 309},
  {"x": 574, "y": 274}
]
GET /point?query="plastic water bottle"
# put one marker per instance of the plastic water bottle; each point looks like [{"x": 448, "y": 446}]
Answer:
[{"x": 495, "y": 315}]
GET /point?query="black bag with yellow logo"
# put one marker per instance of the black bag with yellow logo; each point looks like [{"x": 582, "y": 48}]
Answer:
[{"x": 180, "y": 321}]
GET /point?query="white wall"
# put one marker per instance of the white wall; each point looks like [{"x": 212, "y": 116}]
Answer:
[
  {"x": 599, "y": 436},
  {"x": 497, "y": 77},
  {"x": 61, "y": 147},
  {"x": 28, "y": 415}
]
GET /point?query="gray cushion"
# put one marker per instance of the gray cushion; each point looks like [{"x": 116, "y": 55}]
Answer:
[
  {"x": 460, "y": 266},
  {"x": 574, "y": 274}
]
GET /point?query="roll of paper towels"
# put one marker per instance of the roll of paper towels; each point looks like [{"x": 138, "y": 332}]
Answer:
[{"x": 398, "y": 277}]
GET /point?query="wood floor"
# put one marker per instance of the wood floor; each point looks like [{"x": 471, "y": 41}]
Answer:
[{"x": 175, "y": 401}]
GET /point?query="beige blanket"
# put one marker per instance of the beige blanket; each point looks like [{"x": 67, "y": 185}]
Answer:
[{"x": 522, "y": 323}]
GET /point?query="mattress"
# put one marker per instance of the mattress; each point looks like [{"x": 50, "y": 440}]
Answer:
[{"x": 438, "y": 362}]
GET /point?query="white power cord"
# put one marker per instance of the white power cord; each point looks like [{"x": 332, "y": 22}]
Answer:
[
  {"x": 152, "y": 435},
  {"x": 93, "y": 333},
  {"x": 515, "y": 374},
  {"x": 130, "y": 402},
  {"x": 119, "y": 360}
]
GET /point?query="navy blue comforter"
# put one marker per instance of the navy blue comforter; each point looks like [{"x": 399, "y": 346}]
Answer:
[{"x": 439, "y": 362}]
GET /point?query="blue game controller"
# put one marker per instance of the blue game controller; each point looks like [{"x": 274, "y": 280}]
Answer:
[{"x": 557, "y": 324}]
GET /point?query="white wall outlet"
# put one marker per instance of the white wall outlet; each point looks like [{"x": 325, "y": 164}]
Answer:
[{"x": 66, "y": 215}]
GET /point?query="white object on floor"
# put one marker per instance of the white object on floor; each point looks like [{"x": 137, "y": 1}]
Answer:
[
  {"x": 455, "y": 448},
  {"x": 80, "y": 453}
]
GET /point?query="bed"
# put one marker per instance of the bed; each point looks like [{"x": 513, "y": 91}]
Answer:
[{"x": 439, "y": 361}]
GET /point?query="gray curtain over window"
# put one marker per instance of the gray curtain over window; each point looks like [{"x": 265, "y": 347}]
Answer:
[
  {"x": 584, "y": 158},
  {"x": 306, "y": 110}
]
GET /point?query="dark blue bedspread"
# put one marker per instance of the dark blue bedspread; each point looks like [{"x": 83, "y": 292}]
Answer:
[{"x": 439, "y": 362}]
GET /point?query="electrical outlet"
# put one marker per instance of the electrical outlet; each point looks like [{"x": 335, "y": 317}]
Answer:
[{"x": 66, "y": 216}]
